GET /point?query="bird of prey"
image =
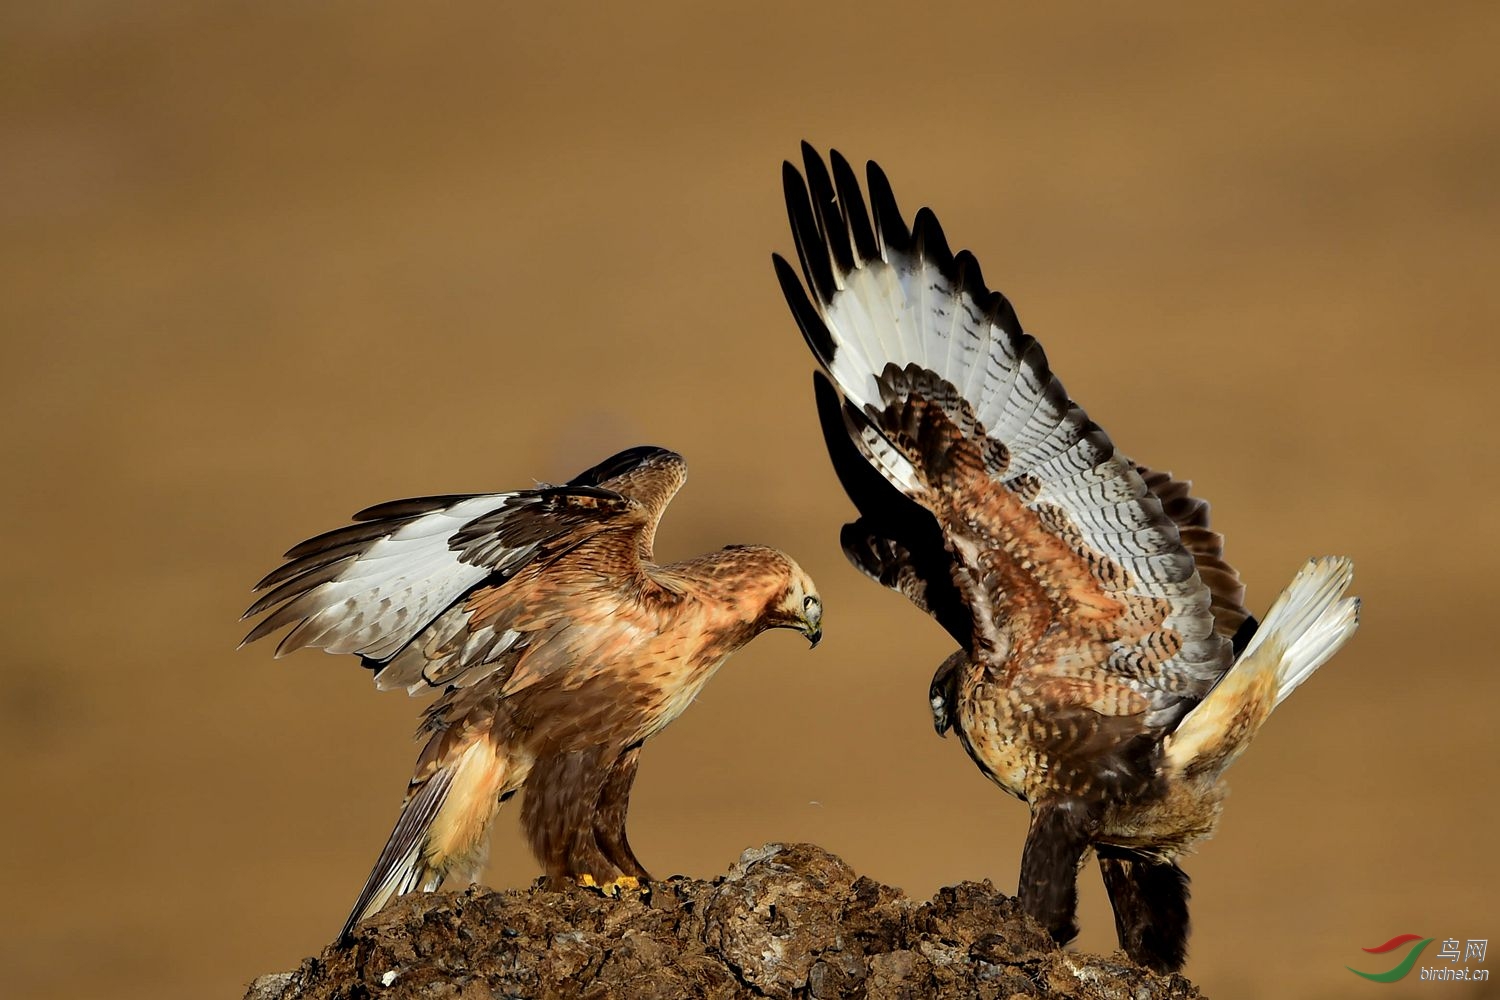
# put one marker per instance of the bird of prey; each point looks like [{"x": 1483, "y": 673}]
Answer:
[
  {"x": 1108, "y": 671},
  {"x": 559, "y": 647}
]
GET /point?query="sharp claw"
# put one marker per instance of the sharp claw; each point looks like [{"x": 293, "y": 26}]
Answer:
[{"x": 614, "y": 889}]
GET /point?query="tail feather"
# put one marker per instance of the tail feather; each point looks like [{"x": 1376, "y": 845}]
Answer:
[
  {"x": 1321, "y": 641},
  {"x": 1310, "y": 621},
  {"x": 444, "y": 826},
  {"x": 402, "y": 866}
]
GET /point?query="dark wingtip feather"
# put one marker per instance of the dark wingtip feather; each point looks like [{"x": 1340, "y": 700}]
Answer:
[
  {"x": 890, "y": 227},
  {"x": 931, "y": 243},
  {"x": 263, "y": 629},
  {"x": 350, "y": 534},
  {"x": 814, "y": 330},
  {"x": 856, "y": 213},
  {"x": 811, "y": 251},
  {"x": 309, "y": 575},
  {"x": 831, "y": 225},
  {"x": 310, "y": 561},
  {"x": 969, "y": 277},
  {"x": 414, "y": 507},
  {"x": 619, "y": 464}
]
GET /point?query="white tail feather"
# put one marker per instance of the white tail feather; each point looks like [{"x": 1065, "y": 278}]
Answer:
[{"x": 1309, "y": 622}]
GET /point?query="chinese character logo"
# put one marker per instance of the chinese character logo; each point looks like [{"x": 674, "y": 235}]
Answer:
[{"x": 1474, "y": 948}]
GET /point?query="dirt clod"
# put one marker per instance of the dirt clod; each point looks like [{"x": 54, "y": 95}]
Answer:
[{"x": 786, "y": 921}]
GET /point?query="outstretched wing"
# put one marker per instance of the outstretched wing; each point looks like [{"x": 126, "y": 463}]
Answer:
[
  {"x": 412, "y": 586},
  {"x": 1063, "y": 558}
]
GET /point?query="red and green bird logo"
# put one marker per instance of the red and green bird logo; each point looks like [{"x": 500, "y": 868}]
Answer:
[{"x": 1404, "y": 966}]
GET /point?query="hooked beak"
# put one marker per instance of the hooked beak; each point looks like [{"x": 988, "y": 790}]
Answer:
[
  {"x": 813, "y": 628},
  {"x": 941, "y": 720},
  {"x": 811, "y": 625}
]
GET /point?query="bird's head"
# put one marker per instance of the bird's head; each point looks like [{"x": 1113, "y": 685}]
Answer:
[
  {"x": 771, "y": 580},
  {"x": 943, "y": 694},
  {"x": 800, "y": 607}
]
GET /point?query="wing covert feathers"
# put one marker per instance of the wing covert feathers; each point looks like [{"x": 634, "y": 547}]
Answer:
[
  {"x": 954, "y": 405},
  {"x": 393, "y": 586}
]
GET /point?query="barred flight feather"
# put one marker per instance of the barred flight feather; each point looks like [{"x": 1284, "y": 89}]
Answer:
[
  {"x": 895, "y": 315},
  {"x": 1097, "y": 615}
]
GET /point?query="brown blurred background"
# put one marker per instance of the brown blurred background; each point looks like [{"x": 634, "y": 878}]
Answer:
[{"x": 266, "y": 264}]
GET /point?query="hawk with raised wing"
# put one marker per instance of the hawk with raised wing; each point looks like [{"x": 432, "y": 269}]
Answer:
[
  {"x": 1108, "y": 671},
  {"x": 559, "y": 647}
]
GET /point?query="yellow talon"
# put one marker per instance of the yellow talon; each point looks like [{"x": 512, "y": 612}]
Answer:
[{"x": 615, "y": 889}]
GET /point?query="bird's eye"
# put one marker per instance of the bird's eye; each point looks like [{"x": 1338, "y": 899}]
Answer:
[{"x": 809, "y": 602}]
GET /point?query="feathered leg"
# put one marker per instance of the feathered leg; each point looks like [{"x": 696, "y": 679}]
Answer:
[
  {"x": 1060, "y": 832},
  {"x": 444, "y": 825},
  {"x": 558, "y": 814},
  {"x": 1150, "y": 899},
  {"x": 609, "y": 815}
]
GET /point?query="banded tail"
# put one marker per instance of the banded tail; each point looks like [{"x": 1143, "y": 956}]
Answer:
[
  {"x": 1310, "y": 621},
  {"x": 443, "y": 829}
]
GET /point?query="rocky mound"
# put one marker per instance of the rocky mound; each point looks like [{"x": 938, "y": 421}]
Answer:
[{"x": 788, "y": 920}]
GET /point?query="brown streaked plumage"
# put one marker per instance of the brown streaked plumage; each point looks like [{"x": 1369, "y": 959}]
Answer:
[
  {"x": 559, "y": 646},
  {"x": 1108, "y": 671}
]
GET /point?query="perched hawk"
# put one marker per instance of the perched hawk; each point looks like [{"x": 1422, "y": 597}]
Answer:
[
  {"x": 557, "y": 643},
  {"x": 1109, "y": 672}
]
